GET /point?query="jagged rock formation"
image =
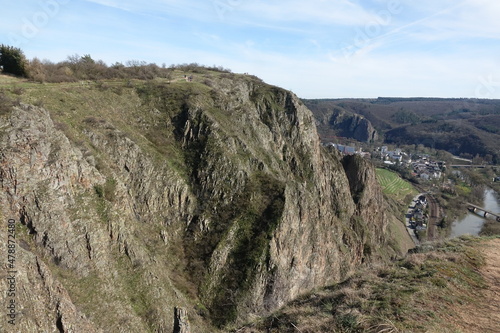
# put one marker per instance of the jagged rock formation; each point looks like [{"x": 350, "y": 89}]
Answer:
[
  {"x": 181, "y": 321},
  {"x": 334, "y": 121},
  {"x": 363, "y": 129},
  {"x": 353, "y": 126},
  {"x": 212, "y": 195},
  {"x": 370, "y": 204}
]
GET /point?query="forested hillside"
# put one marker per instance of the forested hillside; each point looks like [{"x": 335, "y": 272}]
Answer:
[{"x": 461, "y": 126}]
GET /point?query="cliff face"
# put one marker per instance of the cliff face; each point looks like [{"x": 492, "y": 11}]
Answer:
[
  {"x": 353, "y": 125},
  {"x": 363, "y": 129},
  {"x": 335, "y": 121},
  {"x": 213, "y": 195}
]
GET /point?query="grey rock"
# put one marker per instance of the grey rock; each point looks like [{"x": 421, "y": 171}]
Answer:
[{"x": 234, "y": 208}]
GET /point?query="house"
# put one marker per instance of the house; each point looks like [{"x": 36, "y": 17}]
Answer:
[
  {"x": 397, "y": 157},
  {"x": 419, "y": 217},
  {"x": 346, "y": 150},
  {"x": 349, "y": 150},
  {"x": 419, "y": 205},
  {"x": 365, "y": 154}
]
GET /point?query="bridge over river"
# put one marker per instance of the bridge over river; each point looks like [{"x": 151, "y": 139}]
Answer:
[{"x": 484, "y": 211}]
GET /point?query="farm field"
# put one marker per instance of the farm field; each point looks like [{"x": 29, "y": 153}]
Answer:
[{"x": 393, "y": 185}]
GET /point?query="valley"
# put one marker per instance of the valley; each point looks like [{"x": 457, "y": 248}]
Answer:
[{"x": 466, "y": 127}]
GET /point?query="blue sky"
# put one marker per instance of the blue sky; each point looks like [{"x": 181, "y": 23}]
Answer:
[{"x": 316, "y": 48}]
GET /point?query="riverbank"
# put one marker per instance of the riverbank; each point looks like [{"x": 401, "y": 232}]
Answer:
[{"x": 474, "y": 224}]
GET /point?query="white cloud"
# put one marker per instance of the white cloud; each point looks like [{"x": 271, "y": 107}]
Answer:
[
  {"x": 187, "y": 8},
  {"x": 335, "y": 12},
  {"x": 257, "y": 12},
  {"x": 466, "y": 19}
]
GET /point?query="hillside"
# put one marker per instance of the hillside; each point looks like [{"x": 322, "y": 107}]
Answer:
[
  {"x": 129, "y": 198},
  {"x": 440, "y": 288},
  {"x": 333, "y": 121},
  {"x": 460, "y": 126},
  {"x": 394, "y": 186}
]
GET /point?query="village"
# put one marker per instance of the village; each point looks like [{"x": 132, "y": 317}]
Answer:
[
  {"x": 417, "y": 215},
  {"x": 421, "y": 166}
]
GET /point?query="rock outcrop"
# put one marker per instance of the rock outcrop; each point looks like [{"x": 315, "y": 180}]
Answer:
[
  {"x": 215, "y": 196},
  {"x": 334, "y": 121},
  {"x": 181, "y": 321}
]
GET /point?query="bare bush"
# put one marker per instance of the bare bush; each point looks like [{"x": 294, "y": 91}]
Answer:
[
  {"x": 6, "y": 103},
  {"x": 83, "y": 68},
  {"x": 17, "y": 90}
]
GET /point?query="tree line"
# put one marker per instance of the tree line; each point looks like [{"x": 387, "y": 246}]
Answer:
[{"x": 78, "y": 68}]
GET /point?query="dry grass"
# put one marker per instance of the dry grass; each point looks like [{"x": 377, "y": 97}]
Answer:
[
  {"x": 418, "y": 294},
  {"x": 480, "y": 314}
]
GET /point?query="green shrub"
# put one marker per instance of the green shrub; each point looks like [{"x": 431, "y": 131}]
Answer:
[
  {"x": 349, "y": 323},
  {"x": 109, "y": 189},
  {"x": 99, "y": 190},
  {"x": 13, "y": 61}
]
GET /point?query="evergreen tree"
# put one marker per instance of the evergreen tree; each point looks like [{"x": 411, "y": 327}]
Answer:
[{"x": 12, "y": 60}]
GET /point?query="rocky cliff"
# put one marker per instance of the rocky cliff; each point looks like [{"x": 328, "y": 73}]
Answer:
[
  {"x": 213, "y": 195},
  {"x": 333, "y": 120}
]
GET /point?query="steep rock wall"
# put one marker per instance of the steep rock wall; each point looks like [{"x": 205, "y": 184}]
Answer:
[
  {"x": 231, "y": 210},
  {"x": 78, "y": 234},
  {"x": 335, "y": 121}
]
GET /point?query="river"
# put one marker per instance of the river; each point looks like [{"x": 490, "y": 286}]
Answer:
[{"x": 472, "y": 223}]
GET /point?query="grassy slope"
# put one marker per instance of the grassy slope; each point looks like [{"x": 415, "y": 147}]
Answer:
[
  {"x": 397, "y": 192},
  {"x": 393, "y": 185},
  {"x": 420, "y": 293},
  {"x": 76, "y": 106}
]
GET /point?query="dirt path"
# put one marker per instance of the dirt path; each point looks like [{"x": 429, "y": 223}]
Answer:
[{"x": 483, "y": 316}]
